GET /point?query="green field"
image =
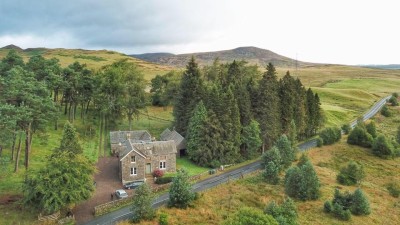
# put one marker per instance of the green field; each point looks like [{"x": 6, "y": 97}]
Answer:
[{"x": 221, "y": 202}]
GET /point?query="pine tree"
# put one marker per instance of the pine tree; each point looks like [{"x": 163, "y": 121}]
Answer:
[
  {"x": 300, "y": 109},
  {"x": 352, "y": 174},
  {"x": 271, "y": 173},
  {"x": 251, "y": 140},
  {"x": 309, "y": 187},
  {"x": 180, "y": 193},
  {"x": 195, "y": 133},
  {"x": 267, "y": 107},
  {"x": 69, "y": 141},
  {"x": 142, "y": 204},
  {"x": 189, "y": 94},
  {"x": 314, "y": 114},
  {"x": 360, "y": 205},
  {"x": 286, "y": 151},
  {"x": 292, "y": 135},
  {"x": 287, "y": 94}
]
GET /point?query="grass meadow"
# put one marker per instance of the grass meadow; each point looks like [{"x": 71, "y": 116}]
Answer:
[{"x": 221, "y": 202}]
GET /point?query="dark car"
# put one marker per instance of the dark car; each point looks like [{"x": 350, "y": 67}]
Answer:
[{"x": 133, "y": 185}]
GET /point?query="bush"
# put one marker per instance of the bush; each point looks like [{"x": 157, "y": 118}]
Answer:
[
  {"x": 360, "y": 136},
  {"x": 394, "y": 189},
  {"x": 320, "y": 142},
  {"x": 360, "y": 204},
  {"x": 164, "y": 180},
  {"x": 163, "y": 220},
  {"x": 382, "y": 147},
  {"x": 158, "y": 173},
  {"x": 371, "y": 129},
  {"x": 286, "y": 213},
  {"x": 302, "y": 182},
  {"x": 352, "y": 174},
  {"x": 328, "y": 207},
  {"x": 330, "y": 135},
  {"x": 385, "y": 111},
  {"x": 251, "y": 216},
  {"x": 346, "y": 128},
  {"x": 343, "y": 205},
  {"x": 393, "y": 101},
  {"x": 341, "y": 213},
  {"x": 395, "y": 95},
  {"x": 271, "y": 173},
  {"x": 180, "y": 192}
]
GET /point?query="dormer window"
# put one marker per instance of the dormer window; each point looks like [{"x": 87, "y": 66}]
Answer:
[{"x": 133, "y": 159}]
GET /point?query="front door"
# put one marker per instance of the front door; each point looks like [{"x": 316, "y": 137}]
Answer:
[{"x": 148, "y": 168}]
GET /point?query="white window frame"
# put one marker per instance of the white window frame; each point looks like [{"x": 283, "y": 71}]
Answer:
[
  {"x": 163, "y": 165},
  {"x": 133, "y": 171},
  {"x": 134, "y": 159}
]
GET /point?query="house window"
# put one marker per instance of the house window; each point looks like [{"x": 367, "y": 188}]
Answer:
[
  {"x": 133, "y": 159},
  {"x": 162, "y": 165},
  {"x": 133, "y": 171}
]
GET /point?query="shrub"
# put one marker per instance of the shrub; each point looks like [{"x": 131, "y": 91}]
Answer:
[
  {"x": 286, "y": 213},
  {"x": 394, "y": 189},
  {"x": 341, "y": 213},
  {"x": 271, "y": 173},
  {"x": 395, "y": 95},
  {"x": 251, "y": 216},
  {"x": 330, "y": 135},
  {"x": 320, "y": 142},
  {"x": 302, "y": 182},
  {"x": 164, "y": 180},
  {"x": 360, "y": 204},
  {"x": 158, "y": 173},
  {"x": 328, "y": 207},
  {"x": 180, "y": 192},
  {"x": 346, "y": 128},
  {"x": 382, "y": 147},
  {"x": 398, "y": 135},
  {"x": 163, "y": 220},
  {"x": 142, "y": 204},
  {"x": 371, "y": 129},
  {"x": 385, "y": 111},
  {"x": 359, "y": 136},
  {"x": 393, "y": 101},
  {"x": 351, "y": 174}
]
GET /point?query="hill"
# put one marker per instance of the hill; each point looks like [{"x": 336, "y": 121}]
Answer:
[
  {"x": 253, "y": 55},
  {"x": 94, "y": 59},
  {"x": 387, "y": 67}
]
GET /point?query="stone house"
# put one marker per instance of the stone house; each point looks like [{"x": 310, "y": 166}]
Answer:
[
  {"x": 180, "y": 141},
  {"x": 139, "y": 158}
]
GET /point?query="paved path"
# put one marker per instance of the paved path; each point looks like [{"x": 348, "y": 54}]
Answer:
[{"x": 125, "y": 213}]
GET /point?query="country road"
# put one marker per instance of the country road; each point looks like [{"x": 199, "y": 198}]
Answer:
[{"x": 125, "y": 213}]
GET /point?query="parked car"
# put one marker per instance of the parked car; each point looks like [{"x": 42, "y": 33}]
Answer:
[
  {"x": 133, "y": 185},
  {"x": 121, "y": 194}
]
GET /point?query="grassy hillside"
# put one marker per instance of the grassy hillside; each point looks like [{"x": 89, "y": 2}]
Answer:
[
  {"x": 93, "y": 59},
  {"x": 221, "y": 202}
]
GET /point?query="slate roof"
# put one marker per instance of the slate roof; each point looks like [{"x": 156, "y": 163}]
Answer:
[
  {"x": 136, "y": 135},
  {"x": 167, "y": 135},
  {"x": 146, "y": 149}
]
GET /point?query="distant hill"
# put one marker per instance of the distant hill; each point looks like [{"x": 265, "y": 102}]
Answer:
[
  {"x": 94, "y": 59},
  {"x": 252, "y": 55},
  {"x": 388, "y": 66}
]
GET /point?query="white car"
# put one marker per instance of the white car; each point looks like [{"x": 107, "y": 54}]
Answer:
[{"x": 121, "y": 194}]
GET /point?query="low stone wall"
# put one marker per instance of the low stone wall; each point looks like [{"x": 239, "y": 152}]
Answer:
[{"x": 52, "y": 217}]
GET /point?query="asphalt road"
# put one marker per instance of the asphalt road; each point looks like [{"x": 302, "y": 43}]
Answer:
[{"x": 125, "y": 213}]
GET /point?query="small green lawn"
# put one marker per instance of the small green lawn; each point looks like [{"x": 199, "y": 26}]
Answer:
[{"x": 193, "y": 169}]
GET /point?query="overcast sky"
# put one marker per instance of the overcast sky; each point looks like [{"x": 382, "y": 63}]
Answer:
[{"x": 337, "y": 31}]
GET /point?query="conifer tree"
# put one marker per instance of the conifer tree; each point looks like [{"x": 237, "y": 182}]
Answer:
[
  {"x": 287, "y": 94},
  {"x": 382, "y": 147},
  {"x": 292, "y": 135},
  {"x": 267, "y": 107},
  {"x": 273, "y": 165},
  {"x": 195, "y": 133},
  {"x": 69, "y": 141},
  {"x": 189, "y": 94},
  {"x": 286, "y": 151},
  {"x": 314, "y": 115},
  {"x": 180, "y": 193},
  {"x": 371, "y": 129},
  {"x": 251, "y": 140},
  {"x": 142, "y": 204},
  {"x": 360, "y": 205}
]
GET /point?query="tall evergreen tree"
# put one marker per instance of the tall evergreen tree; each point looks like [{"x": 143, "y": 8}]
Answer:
[
  {"x": 286, "y": 151},
  {"x": 251, "y": 140},
  {"x": 267, "y": 107},
  {"x": 314, "y": 113},
  {"x": 195, "y": 135},
  {"x": 189, "y": 94},
  {"x": 299, "y": 113},
  {"x": 69, "y": 141},
  {"x": 287, "y": 94}
]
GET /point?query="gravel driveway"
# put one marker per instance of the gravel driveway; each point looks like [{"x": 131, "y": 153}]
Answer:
[{"x": 107, "y": 181}]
